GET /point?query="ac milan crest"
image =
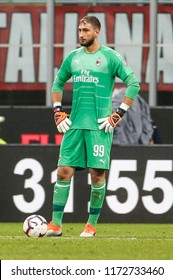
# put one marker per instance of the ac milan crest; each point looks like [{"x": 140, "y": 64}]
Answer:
[{"x": 98, "y": 61}]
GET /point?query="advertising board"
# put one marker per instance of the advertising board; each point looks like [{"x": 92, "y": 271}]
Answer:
[{"x": 139, "y": 185}]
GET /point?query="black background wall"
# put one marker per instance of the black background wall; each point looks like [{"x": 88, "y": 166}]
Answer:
[
  {"x": 39, "y": 120},
  {"x": 139, "y": 185}
]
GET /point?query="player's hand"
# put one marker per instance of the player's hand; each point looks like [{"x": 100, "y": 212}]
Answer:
[
  {"x": 110, "y": 122},
  {"x": 61, "y": 120},
  {"x": 105, "y": 124}
]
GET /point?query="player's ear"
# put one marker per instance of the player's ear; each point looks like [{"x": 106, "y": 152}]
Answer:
[{"x": 97, "y": 31}]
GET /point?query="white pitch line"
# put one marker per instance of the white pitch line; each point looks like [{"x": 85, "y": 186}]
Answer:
[{"x": 97, "y": 237}]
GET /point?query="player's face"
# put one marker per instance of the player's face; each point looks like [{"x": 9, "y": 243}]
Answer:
[{"x": 87, "y": 34}]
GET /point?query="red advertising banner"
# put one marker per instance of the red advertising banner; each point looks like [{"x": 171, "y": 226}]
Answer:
[{"x": 23, "y": 41}]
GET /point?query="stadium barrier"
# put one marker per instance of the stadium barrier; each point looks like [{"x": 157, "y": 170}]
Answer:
[
  {"x": 139, "y": 185},
  {"x": 28, "y": 125}
]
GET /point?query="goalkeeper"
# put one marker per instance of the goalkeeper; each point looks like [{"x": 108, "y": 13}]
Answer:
[{"x": 88, "y": 131}]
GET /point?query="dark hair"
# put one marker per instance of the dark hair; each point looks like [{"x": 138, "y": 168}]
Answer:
[{"x": 92, "y": 20}]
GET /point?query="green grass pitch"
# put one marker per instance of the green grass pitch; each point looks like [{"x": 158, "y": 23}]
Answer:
[{"x": 113, "y": 242}]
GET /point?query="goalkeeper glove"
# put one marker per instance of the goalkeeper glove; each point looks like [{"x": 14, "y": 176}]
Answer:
[
  {"x": 110, "y": 122},
  {"x": 61, "y": 119}
]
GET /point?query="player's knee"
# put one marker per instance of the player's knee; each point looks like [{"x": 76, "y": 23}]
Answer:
[
  {"x": 64, "y": 173},
  {"x": 97, "y": 176}
]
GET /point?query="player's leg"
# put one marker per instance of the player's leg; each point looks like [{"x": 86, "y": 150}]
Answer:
[
  {"x": 98, "y": 187},
  {"x": 61, "y": 193},
  {"x": 60, "y": 197},
  {"x": 98, "y": 148},
  {"x": 71, "y": 157}
]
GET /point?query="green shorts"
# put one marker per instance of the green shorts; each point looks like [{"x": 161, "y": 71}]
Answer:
[{"x": 86, "y": 148}]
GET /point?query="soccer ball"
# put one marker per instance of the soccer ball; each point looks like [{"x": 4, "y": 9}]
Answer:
[{"x": 35, "y": 226}]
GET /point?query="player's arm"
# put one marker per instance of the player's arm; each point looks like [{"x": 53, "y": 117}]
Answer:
[
  {"x": 56, "y": 97},
  {"x": 131, "y": 92},
  {"x": 61, "y": 118}
]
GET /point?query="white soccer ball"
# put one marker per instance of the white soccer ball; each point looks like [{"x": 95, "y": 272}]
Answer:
[{"x": 35, "y": 226}]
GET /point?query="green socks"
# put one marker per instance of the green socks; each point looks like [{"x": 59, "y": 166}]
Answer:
[
  {"x": 96, "y": 202},
  {"x": 60, "y": 196}
]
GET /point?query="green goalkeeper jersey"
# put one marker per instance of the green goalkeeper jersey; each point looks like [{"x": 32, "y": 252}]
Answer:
[{"x": 93, "y": 76}]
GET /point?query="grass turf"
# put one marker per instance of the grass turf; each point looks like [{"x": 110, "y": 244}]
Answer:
[{"x": 113, "y": 242}]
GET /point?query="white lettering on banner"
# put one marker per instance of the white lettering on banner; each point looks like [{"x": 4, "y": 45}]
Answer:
[
  {"x": 3, "y": 20},
  {"x": 30, "y": 183},
  {"x": 130, "y": 35},
  {"x": 20, "y": 59},
  {"x": 22, "y": 65},
  {"x": 164, "y": 53},
  {"x": 70, "y": 38},
  {"x": 33, "y": 183},
  {"x": 115, "y": 182},
  {"x": 151, "y": 182}
]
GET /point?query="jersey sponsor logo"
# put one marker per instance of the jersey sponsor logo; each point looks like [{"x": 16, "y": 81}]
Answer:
[{"x": 85, "y": 77}]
